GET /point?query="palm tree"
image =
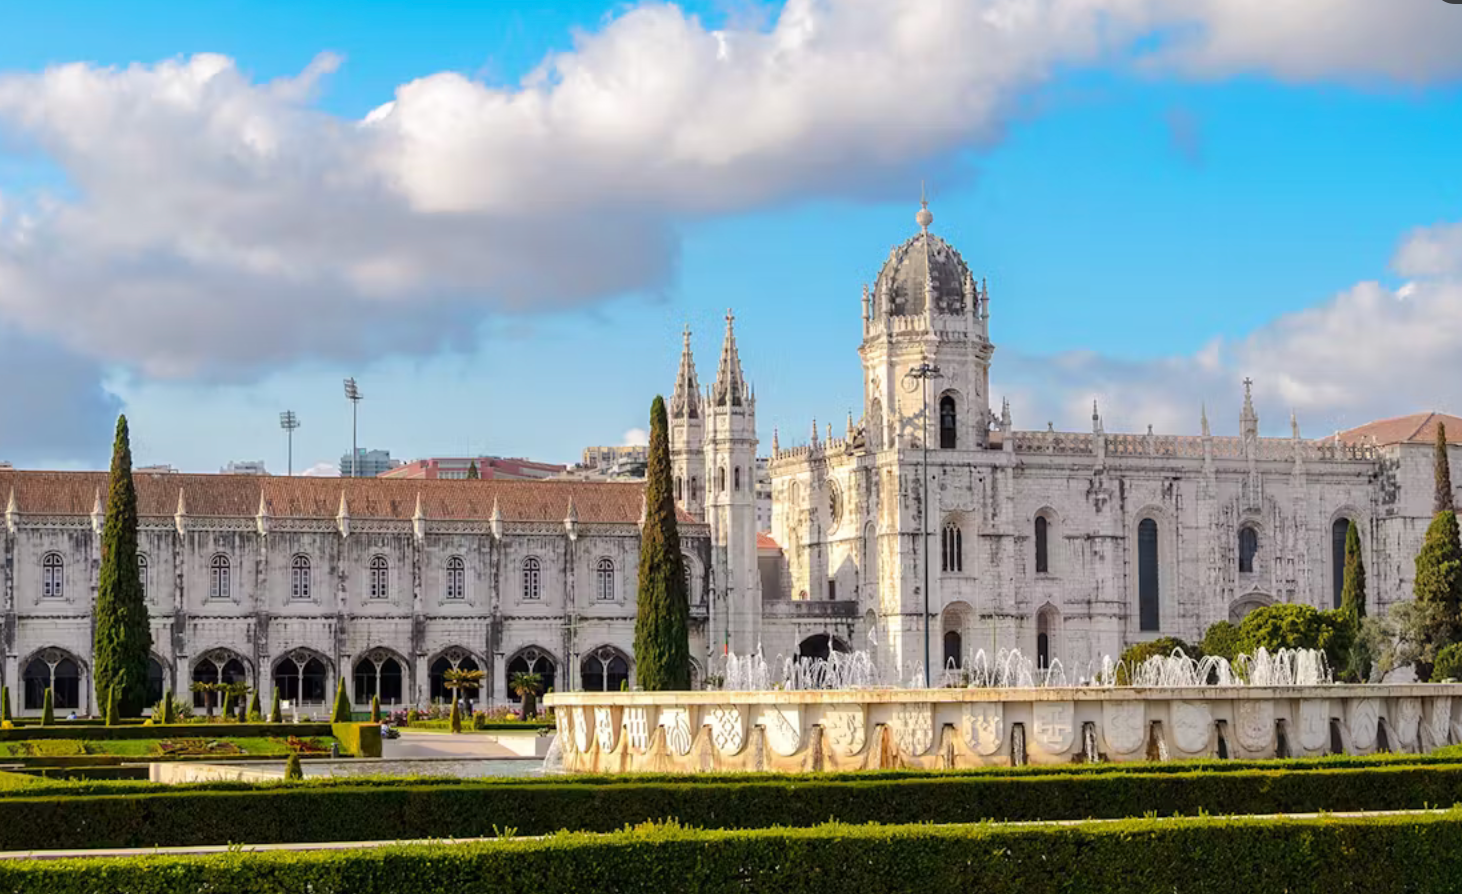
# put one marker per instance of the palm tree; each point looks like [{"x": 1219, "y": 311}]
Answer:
[
  {"x": 208, "y": 689},
  {"x": 456, "y": 680},
  {"x": 526, "y": 685},
  {"x": 238, "y": 694}
]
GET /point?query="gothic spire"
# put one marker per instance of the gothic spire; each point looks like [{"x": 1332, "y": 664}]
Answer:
[
  {"x": 685, "y": 403},
  {"x": 730, "y": 388},
  {"x": 1248, "y": 419}
]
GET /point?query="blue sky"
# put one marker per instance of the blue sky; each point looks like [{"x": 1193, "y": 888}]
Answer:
[{"x": 1157, "y": 218}]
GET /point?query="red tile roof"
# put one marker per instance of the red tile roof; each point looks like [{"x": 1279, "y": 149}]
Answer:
[
  {"x": 1418, "y": 428},
  {"x": 765, "y": 541},
  {"x": 74, "y": 493}
]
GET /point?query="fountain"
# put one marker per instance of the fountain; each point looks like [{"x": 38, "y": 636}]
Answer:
[{"x": 846, "y": 712}]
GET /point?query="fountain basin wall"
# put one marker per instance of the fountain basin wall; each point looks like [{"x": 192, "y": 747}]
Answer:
[{"x": 801, "y": 731}]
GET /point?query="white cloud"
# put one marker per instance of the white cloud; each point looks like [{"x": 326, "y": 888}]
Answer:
[
  {"x": 322, "y": 470},
  {"x": 209, "y": 205},
  {"x": 636, "y": 437}
]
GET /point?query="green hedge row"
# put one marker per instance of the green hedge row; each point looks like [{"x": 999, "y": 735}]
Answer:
[
  {"x": 175, "y": 730},
  {"x": 358, "y": 739},
  {"x": 492, "y": 726},
  {"x": 303, "y": 813},
  {"x": 1419, "y": 855}
]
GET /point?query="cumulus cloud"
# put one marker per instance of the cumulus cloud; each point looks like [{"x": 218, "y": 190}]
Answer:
[
  {"x": 322, "y": 470},
  {"x": 203, "y": 202},
  {"x": 53, "y": 408},
  {"x": 636, "y": 437}
]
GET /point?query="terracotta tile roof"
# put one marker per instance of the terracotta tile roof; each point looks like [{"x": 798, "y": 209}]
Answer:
[
  {"x": 74, "y": 493},
  {"x": 1418, "y": 428},
  {"x": 765, "y": 541}
]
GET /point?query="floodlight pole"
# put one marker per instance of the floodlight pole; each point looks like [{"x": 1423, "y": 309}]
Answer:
[
  {"x": 924, "y": 372},
  {"x": 289, "y": 422},
  {"x": 352, "y": 393}
]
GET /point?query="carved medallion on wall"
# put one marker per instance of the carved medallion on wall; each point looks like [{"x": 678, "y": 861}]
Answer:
[
  {"x": 913, "y": 727},
  {"x": 1054, "y": 729},
  {"x": 1192, "y": 726},
  {"x": 605, "y": 729},
  {"x": 581, "y": 730},
  {"x": 676, "y": 722},
  {"x": 1314, "y": 724},
  {"x": 783, "y": 724},
  {"x": 1406, "y": 719},
  {"x": 565, "y": 725},
  {"x": 1124, "y": 725},
  {"x": 728, "y": 728},
  {"x": 845, "y": 728},
  {"x": 1255, "y": 724},
  {"x": 637, "y": 728},
  {"x": 1438, "y": 720},
  {"x": 983, "y": 725},
  {"x": 1362, "y": 720}
]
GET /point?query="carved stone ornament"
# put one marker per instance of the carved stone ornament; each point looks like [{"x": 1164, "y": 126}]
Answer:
[
  {"x": 637, "y": 728},
  {"x": 1313, "y": 724},
  {"x": 1362, "y": 720},
  {"x": 676, "y": 722},
  {"x": 581, "y": 730},
  {"x": 783, "y": 724},
  {"x": 1054, "y": 730},
  {"x": 605, "y": 728},
  {"x": 1124, "y": 725},
  {"x": 983, "y": 725},
  {"x": 728, "y": 728},
  {"x": 913, "y": 727},
  {"x": 1192, "y": 726},
  {"x": 565, "y": 723},
  {"x": 1406, "y": 720},
  {"x": 1438, "y": 720},
  {"x": 845, "y": 728},
  {"x": 1255, "y": 724}
]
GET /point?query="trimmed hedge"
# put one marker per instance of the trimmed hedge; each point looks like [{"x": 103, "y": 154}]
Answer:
[
  {"x": 160, "y": 731},
  {"x": 365, "y": 812},
  {"x": 1202, "y": 856},
  {"x": 358, "y": 739}
]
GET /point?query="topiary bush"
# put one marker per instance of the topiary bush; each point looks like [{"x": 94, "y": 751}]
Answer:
[
  {"x": 293, "y": 772},
  {"x": 376, "y": 708},
  {"x": 48, "y": 711},
  {"x": 275, "y": 714},
  {"x": 1448, "y": 666},
  {"x": 342, "y": 705}
]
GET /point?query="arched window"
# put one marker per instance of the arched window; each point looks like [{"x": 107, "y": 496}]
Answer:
[
  {"x": 679, "y": 488},
  {"x": 380, "y": 573},
  {"x": 1043, "y": 556},
  {"x": 456, "y": 578},
  {"x": 820, "y": 645},
  {"x": 952, "y": 551},
  {"x": 57, "y": 671},
  {"x": 1338, "y": 532},
  {"x": 695, "y": 488},
  {"x": 1147, "y": 575},
  {"x": 1248, "y": 546},
  {"x": 218, "y": 577},
  {"x": 301, "y": 678},
  {"x": 156, "y": 681},
  {"x": 531, "y": 661},
  {"x": 736, "y": 477},
  {"x": 948, "y": 419},
  {"x": 604, "y": 579},
  {"x": 53, "y": 576},
  {"x": 689, "y": 569},
  {"x": 1043, "y": 639},
  {"x": 604, "y": 670},
  {"x": 299, "y": 577},
  {"x": 953, "y": 649},
  {"x": 721, "y": 480},
  {"x": 378, "y": 674},
  {"x": 142, "y": 577},
  {"x": 221, "y": 666},
  {"x": 437, "y": 674},
  {"x": 532, "y": 579}
]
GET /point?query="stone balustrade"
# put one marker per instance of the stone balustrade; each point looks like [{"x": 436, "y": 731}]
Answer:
[{"x": 801, "y": 731}]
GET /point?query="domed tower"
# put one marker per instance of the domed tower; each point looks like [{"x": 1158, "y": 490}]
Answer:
[{"x": 926, "y": 306}]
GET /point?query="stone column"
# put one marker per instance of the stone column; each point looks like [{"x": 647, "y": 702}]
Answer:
[{"x": 499, "y": 678}]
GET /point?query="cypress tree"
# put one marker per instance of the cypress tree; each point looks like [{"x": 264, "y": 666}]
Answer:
[
  {"x": 169, "y": 711},
  {"x": 472, "y": 470},
  {"x": 1443, "y": 469},
  {"x": 1438, "y": 587},
  {"x": 123, "y": 637},
  {"x": 255, "y": 714},
  {"x": 275, "y": 714},
  {"x": 48, "y": 712},
  {"x": 293, "y": 772},
  {"x": 5, "y": 704},
  {"x": 376, "y": 708},
  {"x": 662, "y": 619},
  {"x": 1353, "y": 592},
  {"x": 342, "y": 705},
  {"x": 112, "y": 716}
]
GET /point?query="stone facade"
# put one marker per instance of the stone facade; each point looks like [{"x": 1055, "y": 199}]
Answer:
[{"x": 291, "y": 581}]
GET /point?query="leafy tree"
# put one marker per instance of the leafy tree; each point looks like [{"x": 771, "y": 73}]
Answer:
[
  {"x": 293, "y": 772},
  {"x": 457, "y": 679},
  {"x": 342, "y": 705},
  {"x": 1353, "y": 592},
  {"x": 662, "y": 637},
  {"x": 208, "y": 689},
  {"x": 275, "y": 714},
  {"x": 1442, "y": 467},
  {"x": 48, "y": 711},
  {"x": 1292, "y": 626},
  {"x": 112, "y": 703},
  {"x": 1438, "y": 587},
  {"x": 1134, "y": 655},
  {"x": 1221, "y": 641},
  {"x": 526, "y": 685},
  {"x": 376, "y": 708},
  {"x": 123, "y": 639},
  {"x": 472, "y": 470},
  {"x": 1448, "y": 664}
]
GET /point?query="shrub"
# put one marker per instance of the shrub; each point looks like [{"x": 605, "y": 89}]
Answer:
[
  {"x": 293, "y": 772},
  {"x": 342, "y": 705},
  {"x": 5, "y": 703},
  {"x": 1449, "y": 664},
  {"x": 171, "y": 710},
  {"x": 1134, "y": 655},
  {"x": 376, "y": 708},
  {"x": 255, "y": 714},
  {"x": 1293, "y": 626},
  {"x": 48, "y": 711},
  {"x": 75, "y": 730},
  {"x": 275, "y": 714},
  {"x": 1221, "y": 641},
  {"x": 456, "y": 715},
  {"x": 112, "y": 705},
  {"x": 358, "y": 739}
]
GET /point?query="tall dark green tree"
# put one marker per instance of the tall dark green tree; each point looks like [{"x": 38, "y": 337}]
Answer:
[
  {"x": 472, "y": 470},
  {"x": 123, "y": 637},
  {"x": 1438, "y": 589},
  {"x": 1443, "y": 469},
  {"x": 1353, "y": 592},
  {"x": 662, "y": 635}
]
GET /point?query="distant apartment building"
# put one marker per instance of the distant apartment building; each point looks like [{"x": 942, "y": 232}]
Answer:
[
  {"x": 368, "y": 463},
  {"x": 488, "y": 467},
  {"x": 157, "y": 469},
  {"x": 244, "y": 467},
  {"x": 610, "y": 457}
]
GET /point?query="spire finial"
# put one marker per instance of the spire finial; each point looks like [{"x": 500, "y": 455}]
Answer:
[
  {"x": 925, "y": 217},
  {"x": 730, "y": 318}
]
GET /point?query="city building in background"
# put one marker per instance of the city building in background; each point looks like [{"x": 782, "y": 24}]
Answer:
[
  {"x": 611, "y": 457},
  {"x": 368, "y": 463},
  {"x": 488, "y": 467},
  {"x": 245, "y": 467},
  {"x": 158, "y": 469}
]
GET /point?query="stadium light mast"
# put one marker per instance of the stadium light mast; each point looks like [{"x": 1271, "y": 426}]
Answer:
[
  {"x": 289, "y": 422},
  {"x": 352, "y": 393}
]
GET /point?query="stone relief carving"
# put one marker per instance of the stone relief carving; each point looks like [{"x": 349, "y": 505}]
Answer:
[
  {"x": 581, "y": 730},
  {"x": 1438, "y": 720},
  {"x": 913, "y": 728},
  {"x": 1364, "y": 714},
  {"x": 604, "y": 728},
  {"x": 1192, "y": 726},
  {"x": 728, "y": 728},
  {"x": 1255, "y": 727},
  {"x": 1054, "y": 731},
  {"x": 565, "y": 730},
  {"x": 845, "y": 727},
  {"x": 1124, "y": 726},
  {"x": 676, "y": 722},
  {"x": 1313, "y": 724},
  {"x": 1406, "y": 719},
  {"x": 637, "y": 728},
  {"x": 784, "y": 728},
  {"x": 984, "y": 727}
]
